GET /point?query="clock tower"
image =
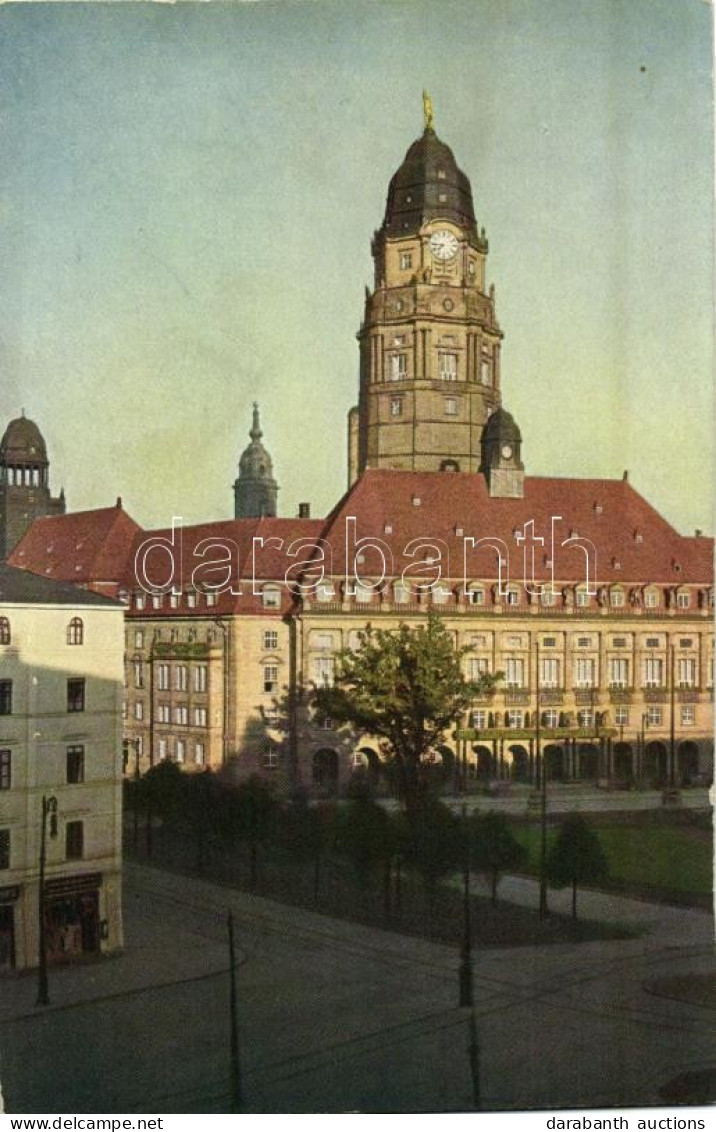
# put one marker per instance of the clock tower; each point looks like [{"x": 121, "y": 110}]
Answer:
[{"x": 430, "y": 340}]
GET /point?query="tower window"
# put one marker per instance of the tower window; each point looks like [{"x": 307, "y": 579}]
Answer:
[
  {"x": 485, "y": 371},
  {"x": 5, "y": 635},
  {"x": 406, "y": 260},
  {"x": 398, "y": 367},
  {"x": 442, "y": 197},
  {"x": 451, "y": 406},
  {"x": 447, "y": 366},
  {"x": 441, "y": 174},
  {"x": 396, "y": 407}
]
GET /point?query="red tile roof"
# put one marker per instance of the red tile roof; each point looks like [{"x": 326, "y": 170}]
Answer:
[
  {"x": 88, "y": 548},
  {"x": 633, "y": 542}
]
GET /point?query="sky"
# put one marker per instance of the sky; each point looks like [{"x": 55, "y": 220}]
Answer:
[{"x": 188, "y": 194}]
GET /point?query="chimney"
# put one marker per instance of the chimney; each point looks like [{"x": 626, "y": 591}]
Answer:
[
  {"x": 698, "y": 532},
  {"x": 304, "y": 510},
  {"x": 625, "y": 477},
  {"x": 118, "y": 504}
]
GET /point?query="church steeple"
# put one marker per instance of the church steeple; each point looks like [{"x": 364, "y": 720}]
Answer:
[
  {"x": 255, "y": 489},
  {"x": 430, "y": 340}
]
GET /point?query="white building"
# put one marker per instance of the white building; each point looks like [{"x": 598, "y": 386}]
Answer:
[{"x": 61, "y": 680}]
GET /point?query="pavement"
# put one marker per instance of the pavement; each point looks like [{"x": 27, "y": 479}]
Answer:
[
  {"x": 338, "y": 1017},
  {"x": 579, "y": 797}
]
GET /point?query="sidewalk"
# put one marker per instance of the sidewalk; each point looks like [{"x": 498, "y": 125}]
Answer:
[{"x": 673, "y": 925}]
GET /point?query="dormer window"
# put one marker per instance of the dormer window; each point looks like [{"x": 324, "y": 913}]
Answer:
[
  {"x": 406, "y": 261},
  {"x": 271, "y": 597}
]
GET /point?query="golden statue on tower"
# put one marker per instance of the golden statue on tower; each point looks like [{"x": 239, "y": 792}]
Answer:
[{"x": 428, "y": 113}]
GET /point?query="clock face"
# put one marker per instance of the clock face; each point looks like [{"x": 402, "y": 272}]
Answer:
[
  {"x": 506, "y": 451},
  {"x": 443, "y": 244}
]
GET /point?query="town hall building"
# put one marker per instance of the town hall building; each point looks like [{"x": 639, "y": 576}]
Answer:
[{"x": 597, "y": 612}]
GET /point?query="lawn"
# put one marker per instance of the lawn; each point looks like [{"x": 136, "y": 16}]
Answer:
[{"x": 674, "y": 857}]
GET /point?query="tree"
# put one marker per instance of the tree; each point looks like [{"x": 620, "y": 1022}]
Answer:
[
  {"x": 405, "y": 687},
  {"x": 576, "y": 857},
  {"x": 365, "y": 835},
  {"x": 253, "y": 810},
  {"x": 495, "y": 848},
  {"x": 307, "y": 833},
  {"x": 202, "y": 798},
  {"x": 160, "y": 789},
  {"x": 433, "y": 843}
]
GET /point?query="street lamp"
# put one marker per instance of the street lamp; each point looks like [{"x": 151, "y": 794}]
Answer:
[
  {"x": 644, "y": 725},
  {"x": 49, "y": 807}
]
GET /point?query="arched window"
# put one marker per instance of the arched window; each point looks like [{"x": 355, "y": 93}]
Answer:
[
  {"x": 75, "y": 632},
  {"x": 4, "y": 631}
]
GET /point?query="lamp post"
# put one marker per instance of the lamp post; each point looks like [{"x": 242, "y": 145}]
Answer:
[
  {"x": 542, "y": 763},
  {"x": 49, "y": 808},
  {"x": 644, "y": 725},
  {"x": 672, "y": 717},
  {"x": 136, "y": 790}
]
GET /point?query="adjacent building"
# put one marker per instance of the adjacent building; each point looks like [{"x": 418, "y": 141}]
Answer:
[
  {"x": 61, "y": 691},
  {"x": 24, "y": 482}
]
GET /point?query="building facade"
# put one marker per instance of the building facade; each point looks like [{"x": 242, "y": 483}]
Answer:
[
  {"x": 61, "y": 695},
  {"x": 24, "y": 482},
  {"x": 597, "y": 612}
]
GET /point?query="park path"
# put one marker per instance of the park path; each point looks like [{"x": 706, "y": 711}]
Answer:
[{"x": 663, "y": 923}]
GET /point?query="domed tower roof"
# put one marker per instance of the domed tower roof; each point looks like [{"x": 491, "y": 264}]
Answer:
[
  {"x": 255, "y": 460},
  {"x": 501, "y": 428},
  {"x": 430, "y": 184},
  {"x": 23, "y": 443},
  {"x": 255, "y": 489}
]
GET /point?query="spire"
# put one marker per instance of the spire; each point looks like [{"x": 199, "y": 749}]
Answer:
[
  {"x": 255, "y": 489},
  {"x": 256, "y": 432},
  {"x": 428, "y": 112}
]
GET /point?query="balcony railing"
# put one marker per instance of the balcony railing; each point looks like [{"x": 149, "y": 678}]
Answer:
[
  {"x": 656, "y": 695},
  {"x": 586, "y": 695},
  {"x": 551, "y": 695},
  {"x": 516, "y": 696},
  {"x": 621, "y": 695},
  {"x": 688, "y": 695}
]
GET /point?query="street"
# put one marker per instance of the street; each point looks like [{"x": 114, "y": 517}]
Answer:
[{"x": 337, "y": 1017}]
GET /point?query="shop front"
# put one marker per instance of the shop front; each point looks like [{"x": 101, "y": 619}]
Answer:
[{"x": 72, "y": 922}]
